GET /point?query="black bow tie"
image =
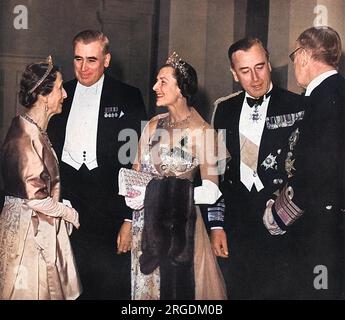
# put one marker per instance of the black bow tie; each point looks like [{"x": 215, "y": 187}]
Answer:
[{"x": 252, "y": 102}]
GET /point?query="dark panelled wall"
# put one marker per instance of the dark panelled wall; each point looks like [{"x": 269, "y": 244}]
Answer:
[
  {"x": 257, "y": 24},
  {"x": 251, "y": 20}
]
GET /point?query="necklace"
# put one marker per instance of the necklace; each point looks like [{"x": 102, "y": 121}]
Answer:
[
  {"x": 43, "y": 132},
  {"x": 174, "y": 124}
]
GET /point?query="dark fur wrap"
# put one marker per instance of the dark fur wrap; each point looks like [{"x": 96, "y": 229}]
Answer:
[{"x": 168, "y": 236}]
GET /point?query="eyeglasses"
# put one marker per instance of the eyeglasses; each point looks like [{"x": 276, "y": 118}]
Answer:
[{"x": 292, "y": 54}]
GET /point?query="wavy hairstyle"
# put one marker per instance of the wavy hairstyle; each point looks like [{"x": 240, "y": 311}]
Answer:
[
  {"x": 187, "y": 81},
  {"x": 31, "y": 75}
]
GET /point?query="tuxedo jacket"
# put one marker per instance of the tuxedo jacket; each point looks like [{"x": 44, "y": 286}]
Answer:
[
  {"x": 284, "y": 113},
  {"x": 94, "y": 193}
]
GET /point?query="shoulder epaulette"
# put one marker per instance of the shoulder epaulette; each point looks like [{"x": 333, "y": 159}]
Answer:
[{"x": 221, "y": 99}]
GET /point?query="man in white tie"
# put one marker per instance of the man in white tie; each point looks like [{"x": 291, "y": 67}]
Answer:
[
  {"x": 257, "y": 124},
  {"x": 86, "y": 139}
]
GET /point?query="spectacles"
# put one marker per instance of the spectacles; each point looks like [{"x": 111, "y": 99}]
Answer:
[{"x": 292, "y": 54}]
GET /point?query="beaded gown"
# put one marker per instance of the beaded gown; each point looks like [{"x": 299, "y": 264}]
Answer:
[{"x": 178, "y": 150}]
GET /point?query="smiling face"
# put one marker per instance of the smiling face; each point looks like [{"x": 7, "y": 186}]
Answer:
[
  {"x": 90, "y": 62},
  {"x": 252, "y": 70},
  {"x": 167, "y": 91},
  {"x": 57, "y": 96}
]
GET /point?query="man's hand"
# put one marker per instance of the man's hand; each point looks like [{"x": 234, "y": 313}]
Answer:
[
  {"x": 219, "y": 243},
  {"x": 124, "y": 237}
]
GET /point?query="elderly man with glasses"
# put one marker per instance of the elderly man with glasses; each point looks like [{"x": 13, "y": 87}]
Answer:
[{"x": 311, "y": 206}]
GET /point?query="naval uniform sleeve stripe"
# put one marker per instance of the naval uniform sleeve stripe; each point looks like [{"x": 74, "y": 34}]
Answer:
[
  {"x": 216, "y": 213},
  {"x": 290, "y": 207},
  {"x": 286, "y": 209}
]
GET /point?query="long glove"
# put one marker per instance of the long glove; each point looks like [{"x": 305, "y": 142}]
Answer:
[
  {"x": 50, "y": 207},
  {"x": 207, "y": 193}
]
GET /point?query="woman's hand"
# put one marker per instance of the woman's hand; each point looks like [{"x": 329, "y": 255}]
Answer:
[{"x": 72, "y": 216}]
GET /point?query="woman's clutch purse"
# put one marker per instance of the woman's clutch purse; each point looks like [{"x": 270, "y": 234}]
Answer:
[{"x": 129, "y": 178}]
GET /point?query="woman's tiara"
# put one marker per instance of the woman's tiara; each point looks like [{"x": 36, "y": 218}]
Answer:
[
  {"x": 49, "y": 60},
  {"x": 177, "y": 63}
]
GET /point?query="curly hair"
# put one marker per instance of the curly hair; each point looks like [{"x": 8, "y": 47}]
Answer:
[{"x": 31, "y": 75}]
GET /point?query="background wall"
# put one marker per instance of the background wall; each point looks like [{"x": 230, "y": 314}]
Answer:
[{"x": 144, "y": 32}]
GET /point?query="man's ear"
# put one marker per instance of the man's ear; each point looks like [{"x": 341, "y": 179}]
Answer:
[
  {"x": 107, "y": 59},
  {"x": 306, "y": 56},
  {"x": 234, "y": 74},
  {"x": 269, "y": 66}
]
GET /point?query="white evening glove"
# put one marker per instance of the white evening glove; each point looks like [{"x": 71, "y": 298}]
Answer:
[
  {"x": 69, "y": 225},
  {"x": 50, "y": 207},
  {"x": 136, "y": 203},
  {"x": 207, "y": 193},
  {"x": 269, "y": 221}
]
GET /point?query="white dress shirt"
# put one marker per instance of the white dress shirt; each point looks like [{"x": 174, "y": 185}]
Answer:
[
  {"x": 252, "y": 130},
  {"x": 315, "y": 82},
  {"x": 81, "y": 130}
]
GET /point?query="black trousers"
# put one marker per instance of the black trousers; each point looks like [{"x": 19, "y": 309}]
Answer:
[
  {"x": 104, "y": 274},
  {"x": 263, "y": 266},
  {"x": 258, "y": 264}
]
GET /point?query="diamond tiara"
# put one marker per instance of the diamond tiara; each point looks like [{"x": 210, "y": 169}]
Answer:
[
  {"x": 49, "y": 60},
  {"x": 177, "y": 63}
]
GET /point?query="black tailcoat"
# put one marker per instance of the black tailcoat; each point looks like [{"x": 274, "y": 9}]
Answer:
[{"x": 94, "y": 192}]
